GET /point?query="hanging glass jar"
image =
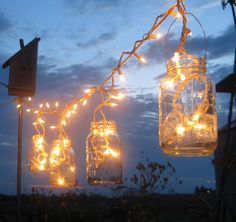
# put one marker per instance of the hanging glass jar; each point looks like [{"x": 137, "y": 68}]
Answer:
[
  {"x": 103, "y": 154},
  {"x": 38, "y": 157},
  {"x": 62, "y": 163},
  {"x": 187, "y": 110}
]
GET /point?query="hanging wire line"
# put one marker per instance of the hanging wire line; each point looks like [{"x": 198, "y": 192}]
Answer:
[{"x": 108, "y": 93}]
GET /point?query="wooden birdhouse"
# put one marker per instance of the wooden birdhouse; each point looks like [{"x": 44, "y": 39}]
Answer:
[{"x": 23, "y": 65}]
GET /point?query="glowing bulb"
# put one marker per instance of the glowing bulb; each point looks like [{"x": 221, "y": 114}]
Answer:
[
  {"x": 68, "y": 114},
  {"x": 143, "y": 60},
  {"x": 140, "y": 58},
  {"x": 108, "y": 131},
  {"x": 41, "y": 105},
  {"x": 113, "y": 104},
  {"x": 87, "y": 91},
  {"x": 41, "y": 167},
  {"x": 39, "y": 141},
  {"x": 56, "y": 104},
  {"x": 47, "y": 105},
  {"x": 56, "y": 152},
  {"x": 111, "y": 152},
  {"x": 182, "y": 77},
  {"x": 85, "y": 102},
  {"x": 199, "y": 126},
  {"x": 119, "y": 96},
  {"x": 169, "y": 84},
  {"x": 196, "y": 116},
  {"x": 18, "y": 106},
  {"x": 122, "y": 77},
  {"x": 72, "y": 169},
  {"x": 155, "y": 36},
  {"x": 178, "y": 15},
  {"x": 29, "y": 99},
  {"x": 75, "y": 106},
  {"x": 60, "y": 181},
  {"x": 28, "y": 110},
  {"x": 41, "y": 120},
  {"x": 180, "y": 130},
  {"x": 36, "y": 111},
  {"x": 53, "y": 127},
  {"x": 190, "y": 123},
  {"x": 176, "y": 57}
]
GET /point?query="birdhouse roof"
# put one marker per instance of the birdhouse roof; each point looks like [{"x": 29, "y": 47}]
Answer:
[{"x": 20, "y": 52}]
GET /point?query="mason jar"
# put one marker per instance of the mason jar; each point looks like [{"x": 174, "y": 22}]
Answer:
[
  {"x": 62, "y": 164},
  {"x": 38, "y": 157},
  {"x": 103, "y": 154},
  {"x": 187, "y": 110}
]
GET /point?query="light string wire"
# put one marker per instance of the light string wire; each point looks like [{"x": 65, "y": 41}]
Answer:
[{"x": 107, "y": 94}]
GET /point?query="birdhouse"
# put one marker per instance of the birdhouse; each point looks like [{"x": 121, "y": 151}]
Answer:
[{"x": 23, "y": 64}]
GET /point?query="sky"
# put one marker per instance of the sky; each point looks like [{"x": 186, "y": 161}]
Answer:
[{"x": 81, "y": 41}]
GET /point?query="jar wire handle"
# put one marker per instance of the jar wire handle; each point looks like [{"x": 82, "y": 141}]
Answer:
[{"x": 203, "y": 31}]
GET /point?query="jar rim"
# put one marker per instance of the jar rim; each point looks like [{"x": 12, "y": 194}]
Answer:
[
  {"x": 186, "y": 56},
  {"x": 103, "y": 123},
  {"x": 62, "y": 141}
]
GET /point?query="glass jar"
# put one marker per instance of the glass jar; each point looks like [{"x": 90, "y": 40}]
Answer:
[
  {"x": 62, "y": 164},
  {"x": 103, "y": 154},
  {"x": 38, "y": 157},
  {"x": 187, "y": 110}
]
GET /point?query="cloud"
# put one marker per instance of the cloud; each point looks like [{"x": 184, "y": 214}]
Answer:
[
  {"x": 219, "y": 71},
  {"x": 85, "y": 6},
  {"x": 218, "y": 46},
  {"x": 101, "y": 39},
  {"x": 70, "y": 80},
  {"x": 5, "y": 23}
]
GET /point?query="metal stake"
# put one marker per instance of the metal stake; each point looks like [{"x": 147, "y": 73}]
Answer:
[{"x": 19, "y": 157}]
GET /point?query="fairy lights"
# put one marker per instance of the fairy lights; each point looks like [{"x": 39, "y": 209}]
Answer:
[
  {"x": 38, "y": 155},
  {"x": 188, "y": 123},
  {"x": 62, "y": 163},
  {"x": 103, "y": 153},
  {"x": 140, "y": 58}
]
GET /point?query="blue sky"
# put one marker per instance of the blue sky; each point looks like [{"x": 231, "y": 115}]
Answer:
[{"x": 81, "y": 41}]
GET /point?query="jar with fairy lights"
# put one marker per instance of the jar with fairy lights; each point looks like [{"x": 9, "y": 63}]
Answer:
[
  {"x": 38, "y": 157},
  {"x": 62, "y": 163},
  {"x": 187, "y": 110},
  {"x": 103, "y": 154}
]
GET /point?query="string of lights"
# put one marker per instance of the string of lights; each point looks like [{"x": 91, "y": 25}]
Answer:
[
  {"x": 106, "y": 93},
  {"x": 103, "y": 149}
]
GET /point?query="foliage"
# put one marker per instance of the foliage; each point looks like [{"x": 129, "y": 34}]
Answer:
[
  {"x": 204, "y": 190},
  {"x": 40, "y": 206},
  {"x": 153, "y": 177}
]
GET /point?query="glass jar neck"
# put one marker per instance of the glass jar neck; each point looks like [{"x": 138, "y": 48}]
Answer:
[
  {"x": 102, "y": 125},
  {"x": 186, "y": 64},
  {"x": 63, "y": 143}
]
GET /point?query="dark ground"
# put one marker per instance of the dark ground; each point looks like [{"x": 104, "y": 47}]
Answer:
[{"x": 73, "y": 207}]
